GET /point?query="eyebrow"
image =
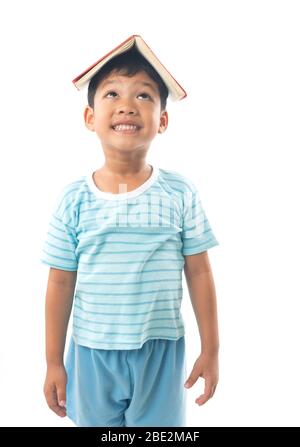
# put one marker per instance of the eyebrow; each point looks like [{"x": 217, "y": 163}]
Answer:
[{"x": 145, "y": 84}]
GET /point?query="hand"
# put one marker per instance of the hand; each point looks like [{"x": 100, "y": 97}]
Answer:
[
  {"x": 55, "y": 389},
  {"x": 206, "y": 366}
]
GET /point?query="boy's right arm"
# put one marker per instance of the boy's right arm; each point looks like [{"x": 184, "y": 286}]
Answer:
[{"x": 59, "y": 300}]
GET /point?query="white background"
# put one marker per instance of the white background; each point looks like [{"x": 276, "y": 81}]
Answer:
[{"x": 236, "y": 135}]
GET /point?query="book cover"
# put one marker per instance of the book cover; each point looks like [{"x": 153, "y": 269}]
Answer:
[{"x": 176, "y": 92}]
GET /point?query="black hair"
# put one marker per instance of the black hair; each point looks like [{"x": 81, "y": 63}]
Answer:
[{"x": 128, "y": 64}]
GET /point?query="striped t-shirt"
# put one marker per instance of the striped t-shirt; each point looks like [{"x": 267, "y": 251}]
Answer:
[{"x": 128, "y": 250}]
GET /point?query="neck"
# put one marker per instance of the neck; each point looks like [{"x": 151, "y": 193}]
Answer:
[{"x": 125, "y": 168}]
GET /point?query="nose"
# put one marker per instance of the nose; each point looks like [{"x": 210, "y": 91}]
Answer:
[{"x": 126, "y": 110}]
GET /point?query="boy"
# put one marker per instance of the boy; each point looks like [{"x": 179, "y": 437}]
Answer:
[{"x": 123, "y": 235}]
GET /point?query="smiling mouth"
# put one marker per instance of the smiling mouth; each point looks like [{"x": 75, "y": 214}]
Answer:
[{"x": 126, "y": 128}]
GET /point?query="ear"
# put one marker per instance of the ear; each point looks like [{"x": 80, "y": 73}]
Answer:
[
  {"x": 163, "y": 124},
  {"x": 89, "y": 118}
]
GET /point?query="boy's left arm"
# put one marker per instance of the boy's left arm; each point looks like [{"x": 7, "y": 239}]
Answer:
[{"x": 202, "y": 292}]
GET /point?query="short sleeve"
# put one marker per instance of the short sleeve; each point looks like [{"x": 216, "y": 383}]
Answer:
[
  {"x": 197, "y": 234},
  {"x": 59, "y": 248}
]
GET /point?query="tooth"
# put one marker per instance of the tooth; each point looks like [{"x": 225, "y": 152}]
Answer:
[{"x": 126, "y": 127}]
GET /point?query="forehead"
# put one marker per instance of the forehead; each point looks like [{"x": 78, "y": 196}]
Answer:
[{"x": 140, "y": 79}]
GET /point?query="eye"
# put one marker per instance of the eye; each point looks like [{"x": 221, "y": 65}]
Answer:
[
  {"x": 112, "y": 92},
  {"x": 145, "y": 95}
]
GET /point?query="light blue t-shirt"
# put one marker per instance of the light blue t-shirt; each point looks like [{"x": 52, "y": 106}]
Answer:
[{"x": 128, "y": 250}]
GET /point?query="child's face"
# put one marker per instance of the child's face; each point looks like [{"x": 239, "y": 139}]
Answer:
[{"x": 124, "y": 101}]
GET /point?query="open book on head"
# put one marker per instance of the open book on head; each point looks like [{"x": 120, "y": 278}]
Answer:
[{"x": 176, "y": 92}]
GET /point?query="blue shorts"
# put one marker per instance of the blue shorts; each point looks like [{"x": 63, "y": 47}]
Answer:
[{"x": 127, "y": 388}]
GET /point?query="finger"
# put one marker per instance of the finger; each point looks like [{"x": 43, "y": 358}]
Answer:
[
  {"x": 61, "y": 396},
  {"x": 58, "y": 409},
  {"x": 213, "y": 390},
  {"x": 191, "y": 380},
  {"x": 208, "y": 393},
  {"x": 51, "y": 398}
]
